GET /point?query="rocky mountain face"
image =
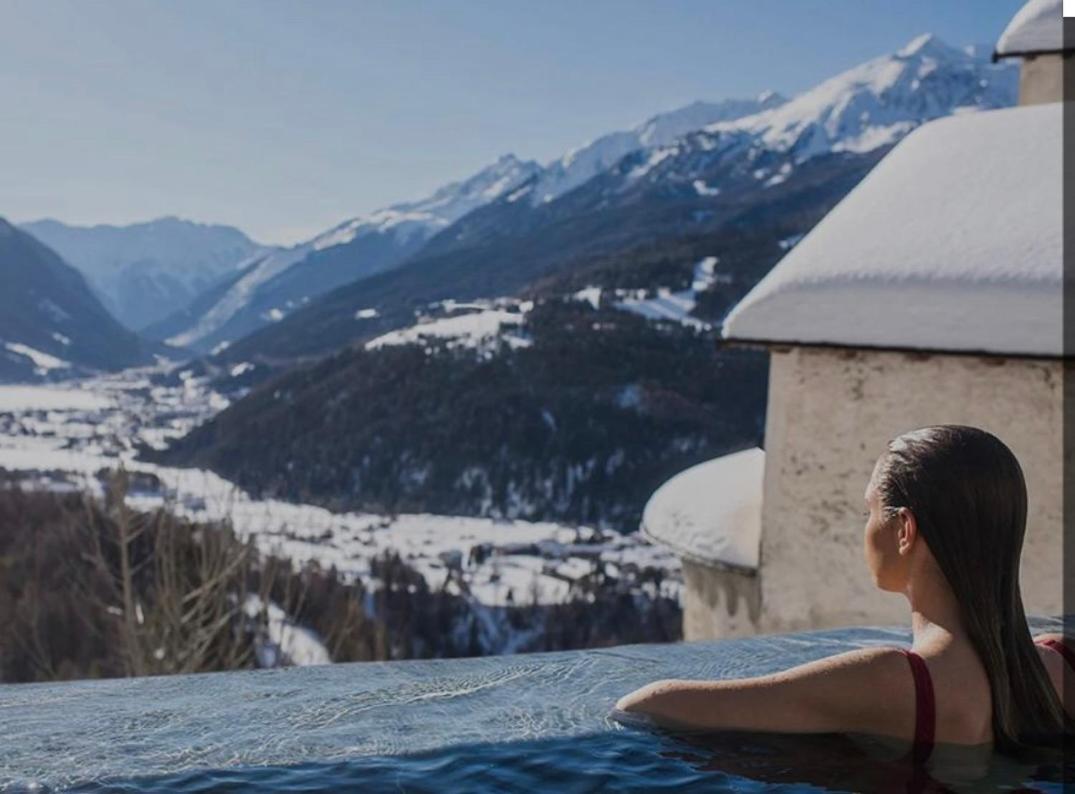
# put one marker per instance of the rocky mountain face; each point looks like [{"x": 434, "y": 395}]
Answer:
[
  {"x": 51, "y": 323},
  {"x": 145, "y": 271}
]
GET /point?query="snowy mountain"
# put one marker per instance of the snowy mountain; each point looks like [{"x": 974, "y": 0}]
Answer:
[
  {"x": 277, "y": 283},
  {"x": 777, "y": 171},
  {"x": 50, "y": 321},
  {"x": 877, "y": 103},
  {"x": 584, "y": 163},
  {"x": 145, "y": 271}
]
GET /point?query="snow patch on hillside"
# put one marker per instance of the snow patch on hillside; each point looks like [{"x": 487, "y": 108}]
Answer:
[
  {"x": 49, "y": 398},
  {"x": 676, "y": 306},
  {"x": 43, "y": 362},
  {"x": 477, "y": 330}
]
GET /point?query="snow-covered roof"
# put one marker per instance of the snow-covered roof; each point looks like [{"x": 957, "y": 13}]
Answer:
[
  {"x": 953, "y": 242},
  {"x": 1037, "y": 27},
  {"x": 711, "y": 512}
]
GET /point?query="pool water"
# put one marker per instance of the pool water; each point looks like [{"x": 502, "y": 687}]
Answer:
[{"x": 534, "y": 722}]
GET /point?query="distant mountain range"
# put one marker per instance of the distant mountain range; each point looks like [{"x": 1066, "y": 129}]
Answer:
[
  {"x": 51, "y": 323},
  {"x": 286, "y": 279},
  {"x": 145, "y": 271},
  {"x": 659, "y": 182},
  {"x": 608, "y": 213}
]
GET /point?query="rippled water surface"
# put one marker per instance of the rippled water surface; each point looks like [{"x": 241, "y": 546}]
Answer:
[{"x": 536, "y": 722}]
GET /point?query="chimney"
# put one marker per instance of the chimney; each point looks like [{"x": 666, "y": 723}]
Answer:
[{"x": 1036, "y": 36}]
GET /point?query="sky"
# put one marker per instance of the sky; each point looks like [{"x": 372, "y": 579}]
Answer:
[{"x": 285, "y": 118}]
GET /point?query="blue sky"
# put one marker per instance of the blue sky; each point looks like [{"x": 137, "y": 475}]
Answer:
[{"x": 284, "y": 118}]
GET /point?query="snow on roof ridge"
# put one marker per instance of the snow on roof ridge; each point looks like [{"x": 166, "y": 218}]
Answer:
[
  {"x": 953, "y": 242},
  {"x": 1036, "y": 27}
]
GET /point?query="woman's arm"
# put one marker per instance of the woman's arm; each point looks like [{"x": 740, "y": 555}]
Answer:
[{"x": 869, "y": 691}]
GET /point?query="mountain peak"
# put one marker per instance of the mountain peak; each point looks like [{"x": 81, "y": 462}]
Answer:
[
  {"x": 877, "y": 102},
  {"x": 600, "y": 154},
  {"x": 928, "y": 44}
]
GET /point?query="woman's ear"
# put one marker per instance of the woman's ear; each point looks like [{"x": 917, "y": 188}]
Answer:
[{"x": 906, "y": 531}]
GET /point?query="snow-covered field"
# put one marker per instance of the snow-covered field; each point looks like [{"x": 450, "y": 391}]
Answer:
[
  {"x": 63, "y": 436},
  {"x": 666, "y": 306}
]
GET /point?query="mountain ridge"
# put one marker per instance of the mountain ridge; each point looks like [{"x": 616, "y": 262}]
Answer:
[
  {"x": 700, "y": 181},
  {"x": 50, "y": 320},
  {"x": 362, "y": 246},
  {"x": 148, "y": 269}
]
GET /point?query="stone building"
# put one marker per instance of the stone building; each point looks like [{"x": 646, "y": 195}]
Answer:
[
  {"x": 710, "y": 515},
  {"x": 931, "y": 294}
]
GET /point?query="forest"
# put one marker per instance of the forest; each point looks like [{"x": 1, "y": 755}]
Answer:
[{"x": 90, "y": 588}]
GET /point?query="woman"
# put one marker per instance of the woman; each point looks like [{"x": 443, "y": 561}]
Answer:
[{"x": 946, "y": 513}]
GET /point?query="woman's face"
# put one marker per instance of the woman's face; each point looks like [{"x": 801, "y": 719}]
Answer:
[{"x": 880, "y": 539}]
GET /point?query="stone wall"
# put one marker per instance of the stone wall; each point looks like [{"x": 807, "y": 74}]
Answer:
[
  {"x": 719, "y": 602},
  {"x": 831, "y": 413},
  {"x": 1041, "y": 79}
]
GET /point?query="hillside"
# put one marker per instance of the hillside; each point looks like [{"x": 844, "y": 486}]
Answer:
[
  {"x": 50, "y": 321},
  {"x": 567, "y": 412}
]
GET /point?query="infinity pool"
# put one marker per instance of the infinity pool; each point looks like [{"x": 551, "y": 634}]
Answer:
[{"x": 534, "y": 722}]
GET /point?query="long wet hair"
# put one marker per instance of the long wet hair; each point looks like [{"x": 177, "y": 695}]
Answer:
[{"x": 968, "y": 496}]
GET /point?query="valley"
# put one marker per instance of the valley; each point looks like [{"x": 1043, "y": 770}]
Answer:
[{"x": 68, "y": 438}]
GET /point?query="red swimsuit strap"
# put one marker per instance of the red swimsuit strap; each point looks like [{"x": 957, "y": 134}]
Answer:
[
  {"x": 925, "y": 708},
  {"x": 1059, "y": 647}
]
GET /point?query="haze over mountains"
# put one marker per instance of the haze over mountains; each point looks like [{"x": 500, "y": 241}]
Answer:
[
  {"x": 615, "y": 206},
  {"x": 145, "y": 271},
  {"x": 286, "y": 279},
  {"x": 50, "y": 321}
]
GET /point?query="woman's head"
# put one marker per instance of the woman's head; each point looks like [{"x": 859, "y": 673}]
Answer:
[
  {"x": 954, "y": 495},
  {"x": 954, "y": 498}
]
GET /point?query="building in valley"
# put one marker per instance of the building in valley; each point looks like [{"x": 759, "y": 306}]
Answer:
[{"x": 931, "y": 294}]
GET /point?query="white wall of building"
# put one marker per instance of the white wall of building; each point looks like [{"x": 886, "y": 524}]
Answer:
[{"x": 831, "y": 413}]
